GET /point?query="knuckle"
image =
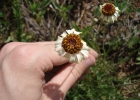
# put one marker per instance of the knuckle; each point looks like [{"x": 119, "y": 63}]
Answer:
[
  {"x": 23, "y": 51},
  {"x": 20, "y": 57},
  {"x": 8, "y": 47}
]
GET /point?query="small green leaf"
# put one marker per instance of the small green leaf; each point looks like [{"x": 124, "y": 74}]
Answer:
[
  {"x": 8, "y": 39},
  {"x": 134, "y": 40},
  {"x": 46, "y": 3},
  {"x": 57, "y": 6},
  {"x": 1, "y": 14},
  {"x": 69, "y": 7}
]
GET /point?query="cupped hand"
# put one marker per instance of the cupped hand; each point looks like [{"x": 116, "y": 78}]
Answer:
[{"x": 34, "y": 71}]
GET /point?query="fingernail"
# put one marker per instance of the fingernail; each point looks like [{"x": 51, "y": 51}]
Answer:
[{"x": 89, "y": 62}]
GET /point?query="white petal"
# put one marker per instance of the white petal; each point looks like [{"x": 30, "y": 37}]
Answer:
[
  {"x": 70, "y": 31},
  {"x": 104, "y": 4},
  {"x": 101, "y": 8},
  {"x": 84, "y": 45},
  {"x": 79, "y": 57},
  {"x": 58, "y": 47},
  {"x": 77, "y": 33},
  {"x": 112, "y": 19},
  {"x": 59, "y": 39},
  {"x": 61, "y": 52},
  {"x": 117, "y": 9},
  {"x": 73, "y": 31},
  {"x": 57, "y": 44},
  {"x": 116, "y": 14},
  {"x": 64, "y": 34},
  {"x": 67, "y": 55},
  {"x": 105, "y": 18},
  {"x": 86, "y": 48},
  {"x": 72, "y": 58},
  {"x": 85, "y": 52},
  {"x": 115, "y": 18},
  {"x": 108, "y": 19}
]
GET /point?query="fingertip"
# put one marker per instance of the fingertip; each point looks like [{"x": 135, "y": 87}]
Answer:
[
  {"x": 93, "y": 52},
  {"x": 90, "y": 61}
]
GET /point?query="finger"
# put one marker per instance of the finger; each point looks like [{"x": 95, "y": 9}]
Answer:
[
  {"x": 10, "y": 46},
  {"x": 53, "y": 55},
  {"x": 93, "y": 52},
  {"x": 50, "y": 46},
  {"x": 71, "y": 72},
  {"x": 81, "y": 77},
  {"x": 56, "y": 62},
  {"x": 53, "y": 72},
  {"x": 84, "y": 74}
]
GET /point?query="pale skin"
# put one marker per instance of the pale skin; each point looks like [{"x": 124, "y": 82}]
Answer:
[{"x": 35, "y": 71}]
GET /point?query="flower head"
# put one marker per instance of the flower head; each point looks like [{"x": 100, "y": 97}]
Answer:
[
  {"x": 70, "y": 45},
  {"x": 109, "y": 12}
]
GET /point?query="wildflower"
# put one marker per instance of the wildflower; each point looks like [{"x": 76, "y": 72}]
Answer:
[
  {"x": 70, "y": 45},
  {"x": 109, "y": 12}
]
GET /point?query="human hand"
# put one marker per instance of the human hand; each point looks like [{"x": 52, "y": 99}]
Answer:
[{"x": 34, "y": 71}]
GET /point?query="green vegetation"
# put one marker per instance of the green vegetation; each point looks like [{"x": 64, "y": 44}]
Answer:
[{"x": 116, "y": 75}]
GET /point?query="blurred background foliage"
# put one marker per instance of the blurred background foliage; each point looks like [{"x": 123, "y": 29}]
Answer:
[{"x": 116, "y": 75}]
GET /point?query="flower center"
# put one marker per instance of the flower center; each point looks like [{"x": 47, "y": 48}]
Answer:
[
  {"x": 108, "y": 9},
  {"x": 72, "y": 43}
]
